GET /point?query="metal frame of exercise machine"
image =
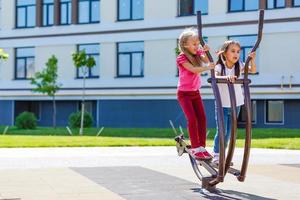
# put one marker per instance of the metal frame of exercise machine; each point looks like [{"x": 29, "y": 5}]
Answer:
[{"x": 217, "y": 172}]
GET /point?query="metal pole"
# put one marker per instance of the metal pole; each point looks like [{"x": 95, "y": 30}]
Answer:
[
  {"x": 242, "y": 177},
  {"x": 220, "y": 115}
]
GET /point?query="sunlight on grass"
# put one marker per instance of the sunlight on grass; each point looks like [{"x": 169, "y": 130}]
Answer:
[{"x": 92, "y": 141}]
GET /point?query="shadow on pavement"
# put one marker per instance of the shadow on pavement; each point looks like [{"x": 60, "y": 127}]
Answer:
[{"x": 228, "y": 195}]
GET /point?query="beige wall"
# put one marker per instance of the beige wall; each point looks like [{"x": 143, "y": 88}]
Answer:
[
  {"x": 215, "y": 43},
  {"x": 279, "y": 56},
  {"x": 7, "y": 67},
  {"x": 216, "y": 7},
  {"x": 7, "y": 14},
  {"x": 108, "y": 61},
  {"x": 66, "y": 69},
  {"x": 108, "y": 11},
  {"x": 160, "y": 58},
  {"x": 158, "y": 9}
]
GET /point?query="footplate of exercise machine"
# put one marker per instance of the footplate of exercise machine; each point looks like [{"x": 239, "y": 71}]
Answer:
[
  {"x": 181, "y": 145},
  {"x": 231, "y": 170},
  {"x": 207, "y": 186}
]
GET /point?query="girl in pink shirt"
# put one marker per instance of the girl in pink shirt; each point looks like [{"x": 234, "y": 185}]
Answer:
[{"x": 191, "y": 62}]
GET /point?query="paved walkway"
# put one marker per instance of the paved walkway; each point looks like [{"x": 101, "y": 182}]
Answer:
[{"x": 138, "y": 173}]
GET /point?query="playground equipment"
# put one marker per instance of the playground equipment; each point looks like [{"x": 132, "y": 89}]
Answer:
[{"x": 210, "y": 173}]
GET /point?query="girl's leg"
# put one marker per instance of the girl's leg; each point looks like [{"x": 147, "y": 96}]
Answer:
[
  {"x": 238, "y": 109},
  {"x": 201, "y": 120},
  {"x": 188, "y": 109},
  {"x": 227, "y": 122},
  {"x": 216, "y": 148},
  {"x": 228, "y": 129},
  {"x": 217, "y": 138}
]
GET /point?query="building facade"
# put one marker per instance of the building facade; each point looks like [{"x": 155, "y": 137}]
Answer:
[{"x": 133, "y": 43}]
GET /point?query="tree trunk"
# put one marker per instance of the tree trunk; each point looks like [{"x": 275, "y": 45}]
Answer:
[
  {"x": 82, "y": 105},
  {"x": 82, "y": 118},
  {"x": 54, "y": 113}
]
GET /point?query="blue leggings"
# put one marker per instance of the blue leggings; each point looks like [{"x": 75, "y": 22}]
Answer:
[{"x": 227, "y": 127}]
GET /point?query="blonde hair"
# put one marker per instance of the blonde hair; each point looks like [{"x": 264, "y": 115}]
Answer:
[{"x": 195, "y": 60}]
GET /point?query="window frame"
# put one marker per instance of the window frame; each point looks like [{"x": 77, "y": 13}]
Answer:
[
  {"x": 68, "y": 12},
  {"x": 46, "y": 9},
  {"x": 243, "y": 9},
  {"x": 266, "y": 109},
  {"x": 25, "y": 66},
  {"x": 253, "y": 108},
  {"x": 131, "y": 12},
  {"x": 275, "y": 7},
  {"x": 294, "y": 4},
  {"x": 90, "y": 12},
  {"x": 89, "y": 75},
  {"x": 86, "y": 102},
  {"x": 130, "y": 53},
  {"x": 193, "y": 7},
  {"x": 17, "y": 7},
  {"x": 38, "y": 114}
]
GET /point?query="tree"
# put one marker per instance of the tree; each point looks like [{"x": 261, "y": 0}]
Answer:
[
  {"x": 83, "y": 62},
  {"x": 46, "y": 83},
  {"x": 3, "y": 55}
]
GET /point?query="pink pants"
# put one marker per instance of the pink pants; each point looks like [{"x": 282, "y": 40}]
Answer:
[{"x": 192, "y": 106}]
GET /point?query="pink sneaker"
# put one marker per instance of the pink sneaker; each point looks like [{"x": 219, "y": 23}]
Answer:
[
  {"x": 197, "y": 154},
  {"x": 200, "y": 156},
  {"x": 205, "y": 152}
]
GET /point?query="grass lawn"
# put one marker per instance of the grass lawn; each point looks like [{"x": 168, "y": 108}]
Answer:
[{"x": 48, "y": 137}]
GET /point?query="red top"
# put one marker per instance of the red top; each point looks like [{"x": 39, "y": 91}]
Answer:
[{"x": 188, "y": 81}]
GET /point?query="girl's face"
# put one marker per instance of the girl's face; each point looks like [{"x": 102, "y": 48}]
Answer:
[
  {"x": 232, "y": 54},
  {"x": 192, "y": 45}
]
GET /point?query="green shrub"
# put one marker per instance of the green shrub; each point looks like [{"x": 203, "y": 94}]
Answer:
[
  {"x": 74, "y": 120},
  {"x": 26, "y": 120}
]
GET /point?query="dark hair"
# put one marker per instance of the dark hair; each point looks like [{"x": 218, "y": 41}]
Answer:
[{"x": 221, "y": 58}]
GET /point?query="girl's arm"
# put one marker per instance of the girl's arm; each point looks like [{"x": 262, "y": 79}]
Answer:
[
  {"x": 231, "y": 78},
  {"x": 252, "y": 66},
  {"x": 203, "y": 57},
  {"x": 199, "y": 69}
]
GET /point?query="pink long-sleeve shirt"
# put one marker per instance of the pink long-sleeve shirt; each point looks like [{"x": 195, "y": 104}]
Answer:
[{"x": 188, "y": 81}]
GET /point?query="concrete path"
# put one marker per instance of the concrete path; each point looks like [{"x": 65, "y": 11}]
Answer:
[{"x": 138, "y": 173}]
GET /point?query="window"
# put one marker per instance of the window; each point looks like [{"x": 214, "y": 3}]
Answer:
[
  {"x": 48, "y": 12},
  {"x": 242, "y": 5},
  {"x": 25, "y": 16},
  {"x": 130, "y": 59},
  {"x": 88, "y": 106},
  {"x": 89, "y": 11},
  {"x": 190, "y": 7},
  {"x": 296, "y": 3},
  {"x": 65, "y": 12},
  {"x": 24, "y": 65},
  {"x": 201, "y": 5},
  {"x": 273, "y": 4},
  {"x": 130, "y": 9},
  {"x": 246, "y": 42},
  {"x": 29, "y": 106},
  {"x": 274, "y": 111},
  {"x": 92, "y": 50},
  {"x": 242, "y": 115}
]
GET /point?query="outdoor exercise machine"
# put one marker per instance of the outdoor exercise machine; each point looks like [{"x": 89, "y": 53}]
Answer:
[{"x": 209, "y": 173}]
